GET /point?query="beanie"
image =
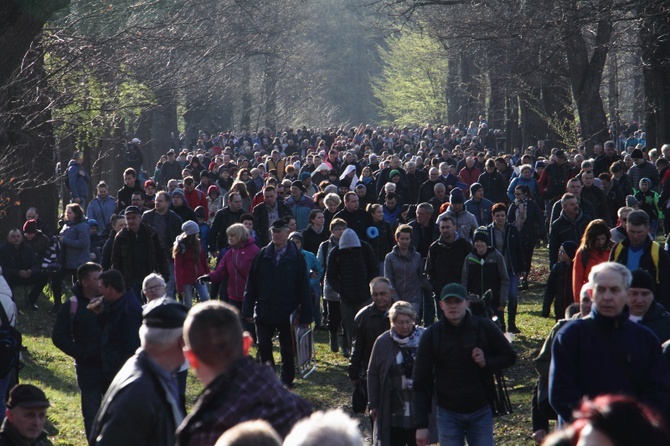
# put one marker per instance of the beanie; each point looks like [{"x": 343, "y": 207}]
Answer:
[
  {"x": 570, "y": 248},
  {"x": 637, "y": 154},
  {"x": 481, "y": 234},
  {"x": 642, "y": 279},
  {"x": 456, "y": 196},
  {"x": 474, "y": 188},
  {"x": 190, "y": 228}
]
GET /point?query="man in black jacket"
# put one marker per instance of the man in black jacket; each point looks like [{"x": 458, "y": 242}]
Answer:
[
  {"x": 21, "y": 267},
  {"x": 224, "y": 218},
  {"x": 454, "y": 364},
  {"x": 77, "y": 333},
  {"x": 267, "y": 212}
]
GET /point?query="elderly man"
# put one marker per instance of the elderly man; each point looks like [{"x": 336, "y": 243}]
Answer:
[
  {"x": 142, "y": 405},
  {"x": 277, "y": 285},
  {"x": 607, "y": 353},
  {"x": 236, "y": 388},
  {"x": 26, "y": 414}
]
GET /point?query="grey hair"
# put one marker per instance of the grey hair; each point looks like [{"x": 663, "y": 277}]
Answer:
[
  {"x": 159, "y": 338},
  {"x": 401, "y": 307},
  {"x": 332, "y": 428},
  {"x": 616, "y": 268},
  {"x": 153, "y": 277}
]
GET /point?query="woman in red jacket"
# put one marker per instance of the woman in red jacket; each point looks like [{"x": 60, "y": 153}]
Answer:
[
  {"x": 190, "y": 262},
  {"x": 594, "y": 249}
]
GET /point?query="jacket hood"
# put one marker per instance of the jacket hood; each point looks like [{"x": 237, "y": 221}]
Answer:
[{"x": 349, "y": 239}]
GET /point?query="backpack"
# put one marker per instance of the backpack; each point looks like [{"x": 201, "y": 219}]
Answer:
[
  {"x": 53, "y": 258},
  {"x": 655, "y": 254},
  {"x": 10, "y": 345}
]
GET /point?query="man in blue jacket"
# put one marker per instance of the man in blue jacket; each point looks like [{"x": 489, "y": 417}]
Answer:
[
  {"x": 77, "y": 180},
  {"x": 606, "y": 352}
]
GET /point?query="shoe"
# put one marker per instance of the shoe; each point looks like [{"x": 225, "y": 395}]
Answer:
[
  {"x": 513, "y": 329},
  {"x": 333, "y": 343},
  {"x": 524, "y": 284},
  {"x": 345, "y": 352}
]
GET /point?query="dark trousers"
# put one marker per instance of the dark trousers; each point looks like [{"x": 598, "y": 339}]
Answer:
[
  {"x": 264, "y": 334},
  {"x": 89, "y": 380},
  {"x": 57, "y": 283},
  {"x": 36, "y": 280},
  {"x": 401, "y": 436}
]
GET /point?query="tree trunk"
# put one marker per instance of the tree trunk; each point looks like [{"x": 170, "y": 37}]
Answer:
[
  {"x": 270, "y": 93},
  {"x": 245, "y": 119}
]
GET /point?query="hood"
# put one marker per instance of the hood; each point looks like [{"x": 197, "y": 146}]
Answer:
[
  {"x": 349, "y": 239},
  {"x": 72, "y": 163}
]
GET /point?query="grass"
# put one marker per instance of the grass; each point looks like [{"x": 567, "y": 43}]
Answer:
[{"x": 328, "y": 387}]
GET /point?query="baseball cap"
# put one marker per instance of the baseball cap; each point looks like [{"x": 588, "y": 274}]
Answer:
[
  {"x": 27, "y": 395},
  {"x": 454, "y": 290}
]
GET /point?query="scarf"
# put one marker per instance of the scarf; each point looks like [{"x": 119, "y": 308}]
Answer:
[
  {"x": 520, "y": 216},
  {"x": 408, "y": 347}
]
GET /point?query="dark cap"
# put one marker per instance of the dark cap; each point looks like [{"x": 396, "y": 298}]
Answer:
[
  {"x": 454, "y": 290},
  {"x": 279, "y": 225},
  {"x": 642, "y": 279},
  {"x": 132, "y": 210},
  {"x": 456, "y": 195},
  {"x": 560, "y": 154},
  {"x": 30, "y": 227},
  {"x": 637, "y": 154},
  {"x": 299, "y": 185},
  {"x": 165, "y": 314},
  {"x": 475, "y": 187},
  {"x": 27, "y": 395}
]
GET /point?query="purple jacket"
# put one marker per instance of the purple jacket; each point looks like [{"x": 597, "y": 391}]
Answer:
[{"x": 235, "y": 266}]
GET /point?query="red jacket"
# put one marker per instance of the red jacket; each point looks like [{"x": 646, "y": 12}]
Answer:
[
  {"x": 196, "y": 198},
  {"x": 235, "y": 265},
  {"x": 580, "y": 272},
  {"x": 187, "y": 269},
  {"x": 469, "y": 176}
]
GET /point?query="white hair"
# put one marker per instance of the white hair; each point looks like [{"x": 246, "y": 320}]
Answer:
[
  {"x": 332, "y": 428},
  {"x": 159, "y": 338}
]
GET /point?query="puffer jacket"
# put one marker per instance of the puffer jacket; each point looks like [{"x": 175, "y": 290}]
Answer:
[
  {"x": 235, "y": 266},
  {"x": 406, "y": 274},
  {"x": 481, "y": 274},
  {"x": 76, "y": 243},
  {"x": 350, "y": 270}
]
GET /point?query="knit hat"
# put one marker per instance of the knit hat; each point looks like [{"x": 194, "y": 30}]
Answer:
[
  {"x": 30, "y": 227},
  {"x": 180, "y": 192},
  {"x": 295, "y": 234},
  {"x": 199, "y": 212},
  {"x": 637, "y": 154},
  {"x": 345, "y": 182},
  {"x": 190, "y": 228},
  {"x": 456, "y": 196},
  {"x": 299, "y": 185},
  {"x": 570, "y": 248},
  {"x": 349, "y": 239},
  {"x": 481, "y": 234},
  {"x": 645, "y": 180},
  {"x": 213, "y": 188},
  {"x": 642, "y": 279},
  {"x": 631, "y": 201},
  {"x": 393, "y": 173},
  {"x": 91, "y": 222},
  {"x": 474, "y": 188},
  {"x": 454, "y": 290},
  {"x": 303, "y": 176}
]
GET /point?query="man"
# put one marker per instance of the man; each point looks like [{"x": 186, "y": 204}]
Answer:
[
  {"x": 236, "y": 388},
  {"x": 427, "y": 189},
  {"x": 439, "y": 197},
  {"x": 469, "y": 173},
  {"x": 351, "y": 266},
  {"x": 639, "y": 251},
  {"x": 224, "y": 218},
  {"x": 25, "y": 417},
  {"x": 370, "y": 322},
  {"x": 137, "y": 200},
  {"x": 479, "y": 206},
  {"x": 277, "y": 285},
  {"x": 642, "y": 169},
  {"x": 454, "y": 365},
  {"x": 137, "y": 251},
  {"x": 357, "y": 219},
  {"x": 171, "y": 169},
  {"x": 554, "y": 178},
  {"x": 78, "y": 180},
  {"x": 493, "y": 182},
  {"x": 168, "y": 226},
  {"x": 120, "y": 314},
  {"x": 607, "y": 353},
  {"x": 77, "y": 333},
  {"x": 267, "y": 212},
  {"x": 618, "y": 233},
  {"x": 391, "y": 209},
  {"x": 142, "y": 405},
  {"x": 570, "y": 225},
  {"x": 596, "y": 196},
  {"x": 603, "y": 162},
  {"x": 300, "y": 204},
  {"x": 125, "y": 194},
  {"x": 644, "y": 308},
  {"x": 133, "y": 156},
  {"x": 20, "y": 267},
  {"x": 101, "y": 208},
  {"x": 424, "y": 233},
  {"x": 465, "y": 222},
  {"x": 33, "y": 214},
  {"x": 574, "y": 186},
  {"x": 193, "y": 196}
]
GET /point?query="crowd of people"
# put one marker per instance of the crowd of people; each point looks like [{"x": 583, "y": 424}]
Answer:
[{"x": 410, "y": 247}]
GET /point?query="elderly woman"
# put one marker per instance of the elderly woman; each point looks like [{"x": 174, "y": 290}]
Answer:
[
  {"x": 153, "y": 287},
  {"x": 390, "y": 385}
]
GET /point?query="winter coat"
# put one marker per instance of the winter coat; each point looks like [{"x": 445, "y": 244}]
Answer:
[
  {"x": 172, "y": 230},
  {"x": 533, "y": 227},
  {"x": 562, "y": 230},
  {"x": 580, "y": 271},
  {"x": 405, "y": 272},
  {"x": 383, "y": 243},
  {"x": 465, "y": 222},
  {"x": 311, "y": 240},
  {"x": 187, "y": 268},
  {"x": 235, "y": 266},
  {"x": 657, "y": 320},
  {"x": 76, "y": 241},
  {"x": 77, "y": 182},
  {"x": 518, "y": 181},
  {"x": 481, "y": 274},
  {"x": 274, "y": 290},
  {"x": 444, "y": 264},
  {"x": 558, "y": 290},
  {"x": 322, "y": 256},
  {"x": 369, "y": 323},
  {"x": 101, "y": 211},
  {"x": 300, "y": 210},
  {"x": 124, "y": 254},
  {"x": 261, "y": 224},
  {"x": 644, "y": 170},
  {"x": 217, "y": 238},
  {"x": 481, "y": 210},
  {"x": 350, "y": 270},
  {"x": 587, "y": 359},
  {"x": 494, "y": 185},
  {"x": 512, "y": 252}
]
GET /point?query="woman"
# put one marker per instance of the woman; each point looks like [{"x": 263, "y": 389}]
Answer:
[
  {"x": 383, "y": 242},
  {"x": 333, "y": 202},
  {"x": 403, "y": 267},
  {"x": 594, "y": 249},
  {"x": 369, "y": 182},
  {"x": 235, "y": 264},
  {"x": 390, "y": 378},
  {"x": 75, "y": 237},
  {"x": 196, "y": 168},
  {"x": 190, "y": 262},
  {"x": 316, "y": 233},
  {"x": 525, "y": 178},
  {"x": 525, "y": 214},
  {"x": 244, "y": 176}
]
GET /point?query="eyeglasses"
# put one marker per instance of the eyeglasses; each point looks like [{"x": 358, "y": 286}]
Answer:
[{"x": 152, "y": 288}]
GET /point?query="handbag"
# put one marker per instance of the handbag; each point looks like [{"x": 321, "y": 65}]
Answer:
[{"x": 359, "y": 398}]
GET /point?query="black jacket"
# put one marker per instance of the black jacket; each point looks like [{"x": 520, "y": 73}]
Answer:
[
  {"x": 350, "y": 272},
  {"x": 78, "y": 336},
  {"x": 369, "y": 323},
  {"x": 495, "y": 186},
  {"x": 217, "y": 239},
  {"x": 261, "y": 224},
  {"x": 445, "y": 262},
  {"x": 173, "y": 228},
  {"x": 562, "y": 230},
  {"x": 125, "y": 258}
]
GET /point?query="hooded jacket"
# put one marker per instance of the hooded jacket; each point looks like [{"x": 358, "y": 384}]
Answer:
[
  {"x": 465, "y": 222},
  {"x": 351, "y": 266},
  {"x": 77, "y": 182},
  {"x": 481, "y": 274}
]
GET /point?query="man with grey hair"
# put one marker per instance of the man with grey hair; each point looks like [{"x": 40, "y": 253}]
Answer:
[
  {"x": 606, "y": 352},
  {"x": 142, "y": 404},
  {"x": 332, "y": 428}
]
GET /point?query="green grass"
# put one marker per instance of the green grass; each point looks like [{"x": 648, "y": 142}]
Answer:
[{"x": 328, "y": 387}]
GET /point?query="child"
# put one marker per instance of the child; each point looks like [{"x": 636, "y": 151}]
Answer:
[
  {"x": 190, "y": 262},
  {"x": 202, "y": 223},
  {"x": 248, "y": 221},
  {"x": 559, "y": 285},
  {"x": 214, "y": 202},
  {"x": 96, "y": 241},
  {"x": 648, "y": 202}
]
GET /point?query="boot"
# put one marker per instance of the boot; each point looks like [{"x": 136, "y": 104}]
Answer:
[
  {"x": 346, "y": 351},
  {"x": 334, "y": 347},
  {"x": 511, "y": 323}
]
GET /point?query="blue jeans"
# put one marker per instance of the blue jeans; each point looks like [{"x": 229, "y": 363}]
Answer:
[
  {"x": 454, "y": 428},
  {"x": 169, "y": 286},
  {"x": 91, "y": 388},
  {"x": 200, "y": 288}
]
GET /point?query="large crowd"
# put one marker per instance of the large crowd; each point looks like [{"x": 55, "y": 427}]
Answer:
[{"x": 411, "y": 247}]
